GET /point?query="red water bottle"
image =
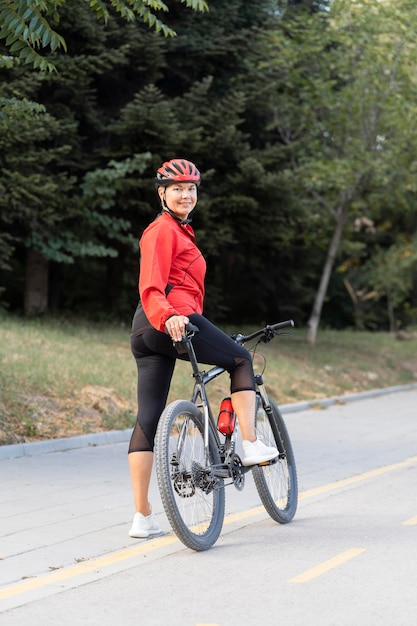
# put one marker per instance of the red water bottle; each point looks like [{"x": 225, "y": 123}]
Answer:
[{"x": 227, "y": 417}]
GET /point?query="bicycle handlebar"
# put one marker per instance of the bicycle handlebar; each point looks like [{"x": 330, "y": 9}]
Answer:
[
  {"x": 268, "y": 332},
  {"x": 191, "y": 329},
  {"x": 282, "y": 325}
]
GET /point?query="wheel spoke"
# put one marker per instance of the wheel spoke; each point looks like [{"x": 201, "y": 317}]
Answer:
[
  {"x": 276, "y": 483},
  {"x": 193, "y": 498}
]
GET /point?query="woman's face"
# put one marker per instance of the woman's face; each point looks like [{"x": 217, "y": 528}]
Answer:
[{"x": 180, "y": 198}]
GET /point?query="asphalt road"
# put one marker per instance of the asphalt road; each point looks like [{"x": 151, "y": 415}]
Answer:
[{"x": 349, "y": 556}]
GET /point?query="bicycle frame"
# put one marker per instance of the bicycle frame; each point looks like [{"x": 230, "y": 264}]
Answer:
[
  {"x": 194, "y": 461},
  {"x": 201, "y": 378}
]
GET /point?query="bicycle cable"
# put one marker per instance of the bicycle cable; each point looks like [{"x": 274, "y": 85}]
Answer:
[{"x": 254, "y": 353}]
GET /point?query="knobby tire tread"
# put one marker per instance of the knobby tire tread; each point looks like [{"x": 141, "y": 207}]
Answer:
[
  {"x": 189, "y": 538},
  {"x": 279, "y": 513}
]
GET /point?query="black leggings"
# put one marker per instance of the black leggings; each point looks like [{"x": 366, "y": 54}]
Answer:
[{"x": 155, "y": 359}]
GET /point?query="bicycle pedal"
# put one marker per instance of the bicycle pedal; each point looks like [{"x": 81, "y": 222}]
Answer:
[{"x": 271, "y": 462}]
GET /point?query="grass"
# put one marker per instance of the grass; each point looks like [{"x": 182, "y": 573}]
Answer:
[{"x": 61, "y": 378}]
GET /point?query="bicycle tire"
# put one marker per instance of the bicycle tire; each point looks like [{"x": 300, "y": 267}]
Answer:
[
  {"x": 193, "y": 500},
  {"x": 277, "y": 484}
]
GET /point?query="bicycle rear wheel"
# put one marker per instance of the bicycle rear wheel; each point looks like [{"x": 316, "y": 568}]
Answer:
[
  {"x": 193, "y": 498},
  {"x": 277, "y": 483}
]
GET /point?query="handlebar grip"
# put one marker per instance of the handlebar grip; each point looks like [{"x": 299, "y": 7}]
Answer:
[
  {"x": 190, "y": 331},
  {"x": 282, "y": 325},
  {"x": 191, "y": 328}
]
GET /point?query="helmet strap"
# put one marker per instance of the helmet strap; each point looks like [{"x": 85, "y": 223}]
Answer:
[
  {"x": 176, "y": 218},
  {"x": 165, "y": 209}
]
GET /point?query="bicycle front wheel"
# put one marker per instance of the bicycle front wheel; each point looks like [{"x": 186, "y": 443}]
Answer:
[
  {"x": 192, "y": 496},
  {"x": 277, "y": 483}
]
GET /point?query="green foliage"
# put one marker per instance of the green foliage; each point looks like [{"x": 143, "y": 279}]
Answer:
[
  {"x": 102, "y": 191},
  {"x": 342, "y": 98},
  {"x": 30, "y": 188},
  {"x": 295, "y": 113},
  {"x": 26, "y": 27},
  {"x": 390, "y": 273},
  {"x": 40, "y": 207},
  {"x": 26, "y": 24}
]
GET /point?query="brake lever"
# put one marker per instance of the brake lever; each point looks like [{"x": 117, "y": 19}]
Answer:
[{"x": 274, "y": 333}]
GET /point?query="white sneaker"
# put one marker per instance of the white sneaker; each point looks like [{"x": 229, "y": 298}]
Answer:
[
  {"x": 257, "y": 452},
  {"x": 143, "y": 526}
]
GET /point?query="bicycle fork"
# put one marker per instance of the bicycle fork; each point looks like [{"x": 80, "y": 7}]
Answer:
[{"x": 263, "y": 397}]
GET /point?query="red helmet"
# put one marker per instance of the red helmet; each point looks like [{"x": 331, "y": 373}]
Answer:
[{"x": 177, "y": 171}]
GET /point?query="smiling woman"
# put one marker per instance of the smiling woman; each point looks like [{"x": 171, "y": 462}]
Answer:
[
  {"x": 182, "y": 198},
  {"x": 177, "y": 181},
  {"x": 171, "y": 289}
]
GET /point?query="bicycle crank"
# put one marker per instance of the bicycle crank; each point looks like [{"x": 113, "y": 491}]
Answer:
[{"x": 237, "y": 470}]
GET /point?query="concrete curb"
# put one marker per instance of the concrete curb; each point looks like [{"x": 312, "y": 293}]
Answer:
[
  {"x": 352, "y": 397},
  {"x": 119, "y": 436},
  {"x": 64, "y": 443}
]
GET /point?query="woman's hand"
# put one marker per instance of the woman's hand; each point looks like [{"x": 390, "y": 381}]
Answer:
[{"x": 175, "y": 326}]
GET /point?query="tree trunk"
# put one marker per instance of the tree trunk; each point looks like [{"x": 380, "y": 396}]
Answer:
[
  {"x": 54, "y": 287},
  {"x": 36, "y": 284},
  {"x": 115, "y": 268},
  {"x": 391, "y": 314},
  {"x": 314, "y": 320}
]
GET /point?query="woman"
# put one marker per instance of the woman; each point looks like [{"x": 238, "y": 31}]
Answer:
[{"x": 171, "y": 289}]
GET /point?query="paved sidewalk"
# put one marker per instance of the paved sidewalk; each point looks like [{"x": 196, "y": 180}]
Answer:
[{"x": 66, "y": 501}]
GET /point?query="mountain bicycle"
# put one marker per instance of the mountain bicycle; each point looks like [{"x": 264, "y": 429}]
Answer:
[{"x": 196, "y": 454}]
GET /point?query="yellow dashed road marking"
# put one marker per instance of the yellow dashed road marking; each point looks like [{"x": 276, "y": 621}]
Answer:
[
  {"x": 85, "y": 567},
  {"x": 327, "y": 566},
  {"x": 356, "y": 479},
  {"x": 108, "y": 560}
]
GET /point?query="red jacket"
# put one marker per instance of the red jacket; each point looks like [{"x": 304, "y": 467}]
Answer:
[{"x": 169, "y": 256}]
